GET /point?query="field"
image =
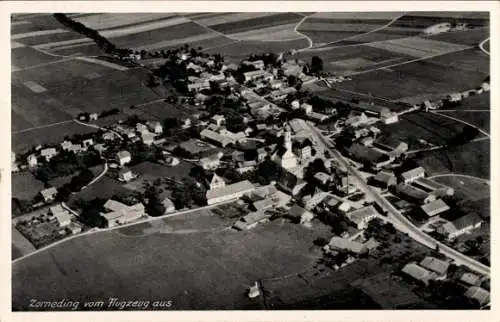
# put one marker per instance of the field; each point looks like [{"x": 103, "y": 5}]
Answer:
[
  {"x": 479, "y": 119},
  {"x": 25, "y": 186},
  {"x": 20, "y": 245},
  {"x": 469, "y": 159},
  {"x": 417, "y": 47},
  {"x": 196, "y": 270}
]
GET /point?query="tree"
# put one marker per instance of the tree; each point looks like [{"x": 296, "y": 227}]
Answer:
[
  {"x": 316, "y": 65},
  {"x": 154, "y": 207},
  {"x": 320, "y": 241}
]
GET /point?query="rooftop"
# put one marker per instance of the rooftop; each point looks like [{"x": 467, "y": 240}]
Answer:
[
  {"x": 346, "y": 244},
  {"x": 239, "y": 187},
  {"x": 435, "y": 207},
  {"x": 435, "y": 265}
]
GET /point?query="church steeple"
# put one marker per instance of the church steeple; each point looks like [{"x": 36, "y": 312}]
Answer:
[{"x": 288, "y": 137}]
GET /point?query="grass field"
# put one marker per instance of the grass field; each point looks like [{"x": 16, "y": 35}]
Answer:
[
  {"x": 256, "y": 23},
  {"x": 469, "y": 159},
  {"x": 475, "y": 102},
  {"x": 469, "y": 37},
  {"x": 196, "y": 271},
  {"x": 25, "y": 186},
  {"x": 479, "y": 119}
]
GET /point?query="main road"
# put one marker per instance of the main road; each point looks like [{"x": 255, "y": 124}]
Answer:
[{"x": 399, "y": 221}]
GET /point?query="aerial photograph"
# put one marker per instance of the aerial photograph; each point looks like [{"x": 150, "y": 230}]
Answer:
[{"x": 250, "y": 161}]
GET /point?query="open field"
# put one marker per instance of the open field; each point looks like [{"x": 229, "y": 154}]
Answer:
[
  {"x": 25, "y": 186},
  {"x": 417, "y": 47},
  {"x": 219, "y": 18},
  {"x": 469, "y": 37},
  {"x": 24, "y": 57},
  {"x": 237, "y": 51},
  {"x": 469, "y": 159},
  {"x": 275, "y": 33},
  {"x": 439, "y": 75},
  {"x": 433, "y": 128},
  {"x": 425, "y": 19},
  {"x": 102, "y": 21},
  {"x": 197, "y": 270},
  {"x": 475, "y": 102},
  {"x": 105, "y": 188},
  {"x": 151, "y": 171},
  {"x": 260, "y": 22},
  {"x": 20, "y": 245},
  {"x": 479, "y": 119}
]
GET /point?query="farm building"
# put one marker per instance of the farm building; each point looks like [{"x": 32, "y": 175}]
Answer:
[
  {"x": 32, "y": 160},
  {"x": 412, "y": 175},
  {"x": 460, "y": 226},
  {"x": 62, "y": 215},
  {"x": 155, "y": 127},
  {"x": 218, "y": 120},
  {"x": 117, "y": 213},
  {"x": 216, "y": 138},
  {"x": 434, "y": 208},
  {"x": 418, "y": 273},
  {"x": 479, "y": 294},
  {"x": 251, "y": 220},
  {"x": 48, "y": 194},
  {"x": 48, "y": 153},
  {"x": 435, "y": 265},
  {"x": 228, "y": 192},
  {"x": 211, "y": 162},
  {"x": 437, "y": 188},
  {"x": 470, "y": 279},
  {"x": 322, "y": 177},
  {"x": 168, "y": 204},
  {"x": 282, "y": 93},
  {"x": 123, "y": 157},
  {"x": 384, "y": 179},
  {"x": 413, "y": 194},
  {"x": 290, "y": 183},
  {"x": 125, "y": 174},
  {"x": 310, "y": 202},
  {"x": 368, "y": 156},
  {"x": 362, "y": 216},
  {"x": 257, "y": 75},
  {"x": 338, "y": 243},
  {"x": 302, "y": 147}
]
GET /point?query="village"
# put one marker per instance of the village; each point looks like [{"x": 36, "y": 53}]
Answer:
[{"x": 255, "y": 138}]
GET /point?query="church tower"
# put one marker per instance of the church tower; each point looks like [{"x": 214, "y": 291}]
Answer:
[{"x": 288, "y": 138}]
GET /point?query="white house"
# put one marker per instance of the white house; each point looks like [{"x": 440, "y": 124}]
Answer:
[
  {"x": 168, "y": 204},
  {"x": 117, "y": 213},
  {"x": 147, "y": 137},
  {"x": 32, "y": 160},
  {"x": 125, "y": 174},
  {"x": 212, "y": 161},
  {"x": 123, "y": 157},
  {"x": 460, "y": 226},
  {"x": 218, "y": 120},
  {"x": 155, "y": 127},
  {"x": 48, "y": 153},
  {"x": 228, "y": 192},
  {"x": 48, "y": 194},
  {"x": 412, "y": 175},
  {"x": 362, "y": 216},
  {"x": 62, "y": 215}
]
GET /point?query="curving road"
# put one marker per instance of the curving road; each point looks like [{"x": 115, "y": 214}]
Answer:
[
  {"x": 399, "y": 221},
  {"x": 481, "y": 46}
]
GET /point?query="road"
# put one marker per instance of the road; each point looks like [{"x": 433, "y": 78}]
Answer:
[
  {"x": 399, "y": 221},
  {"x": 481, "y": 46}
]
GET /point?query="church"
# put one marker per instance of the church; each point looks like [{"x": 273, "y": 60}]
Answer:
[{"x": 284, "y": 156}]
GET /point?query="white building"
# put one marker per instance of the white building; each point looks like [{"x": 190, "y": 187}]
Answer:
[
  {"x": 228, "y": 192},
  {"x": 125, "y": 174},
  {"x": 412, "y": 175},
  {"x": 62, "y": 215},
  {"x": 284, "y": 156},
  {"x": 48, "y": 153},
  {"x": 155, "y": 127},
  {"x": 123, "y": 157},
  {"x": 49, "y": 194},
  {"x": 147, "y": 138},
  {"x": 361, "y": 217},
  {"x": 212, "y": 161},
  {"x": 117, "y": 213},
  {"x": 32, "y": 160}
]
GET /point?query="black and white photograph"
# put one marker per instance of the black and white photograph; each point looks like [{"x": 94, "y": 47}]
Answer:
[{"x": 261, "y": 161}]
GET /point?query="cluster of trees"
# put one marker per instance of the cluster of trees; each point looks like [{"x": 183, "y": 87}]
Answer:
[
  {"x": 154, "y": 206},
  {"x": 467, "y": 134},
  {"x": 268, "y": 58},
  {"x": 187, "y": 193},
  {"x": 90, "y": 214},
  {"x": 102, "y": 42},
  {"x": 109, "y": 112},
  {"x": 76, "y": 184},
  {"x": 67, "y": 163}
]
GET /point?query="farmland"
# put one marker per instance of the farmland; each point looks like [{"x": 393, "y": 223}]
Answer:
[
  {"x": 173, "y": 266},
  {"x": 25, "y": 186}
]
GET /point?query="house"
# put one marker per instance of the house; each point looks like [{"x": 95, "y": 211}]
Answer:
[
  {"x": 390, "y": 118},
  {"x": 66, "y": 145},
  {"x": 62, "y": 216},
  {"x": 371, "y": 244},
  {"x": 168, "y": 204},
  {"x": 470, "y": 279},
  {"x": 290, "y": 183},
  {"x": 414, "y": 194},
  {"x": 93, "y": 116},
  {"x": 75, "y": 228},
  {"x": 257, "y": 75},
  {"x": 394, "y": 147},
  {"x": 302, "y": 147},
  {"x": 434, "y": 208},
  {"x": 282, "y": 93},
  {"x": 147, "y": 137},
  {"x": 141, "y": 128},
  {"x": 215, "y": 181},
  {"x": 108, "y": 136},
  {"x": 263, "y": 204},
  {"x": 212, "y": 161},
  {"x": 32, "y": 160},
  {"x": 199, "y": 86},
  {"x": 317, "y": 117},
  {"x": 49, "y": 194},
  {"x": 245, "y": 166},
  {"x": 228, "y": 192},
  {"x": 357, "y": 120},
  {"x": 367, "y": 141},
  {"x": 125, "y": 174},
  {"x": 371, "y": 109},
  {"x": 48, "y": 153},
  {"x": 412, "y": 175},
  {"x": 439, "y": 189},
  {"x": 155, "y": 127},
  {"x": 87, "y": 142},
  {"x": 362, "y": 216},
  {"x": 455, "y": 97},
  {"x": 186, "y": 123},
  {"x": 435, "y": 265},
  {"x": 384, "y": 179},
  {"x": 101, "y": 148},
  {"x": 343, "y": 207},
  {"x": 215, "y": 137},
  {"x": 259, "y": 64},
  {"x": 460, "y": 226},
  {"x": 218, "y": 120},
  {"x": 276, "y": 84},
  {"x": 338, "y": 243},
  {"x": 311, "y": 202},
  {"x": 123, "y": 157},
  {"x": 322, "y": 177},
  {"x": 479, "y": 294},
  {"x": 116, "y": 213},
  {"x": 251, "y": 220},
  {"x": 368, "y": 156},
  {"x": 302, "y": 215},
  {"x": 295, "y": 105},
  {"x": 418, "y": 273},
  {"x": 261, "y": 154},
  {"x": 306, "y": 107}
]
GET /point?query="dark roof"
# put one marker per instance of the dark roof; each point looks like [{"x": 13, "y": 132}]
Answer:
[
  {"x": 467, "y": 220},
  {"x": 301, "y": 143},
  {"x": 281, "y": 150}
]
